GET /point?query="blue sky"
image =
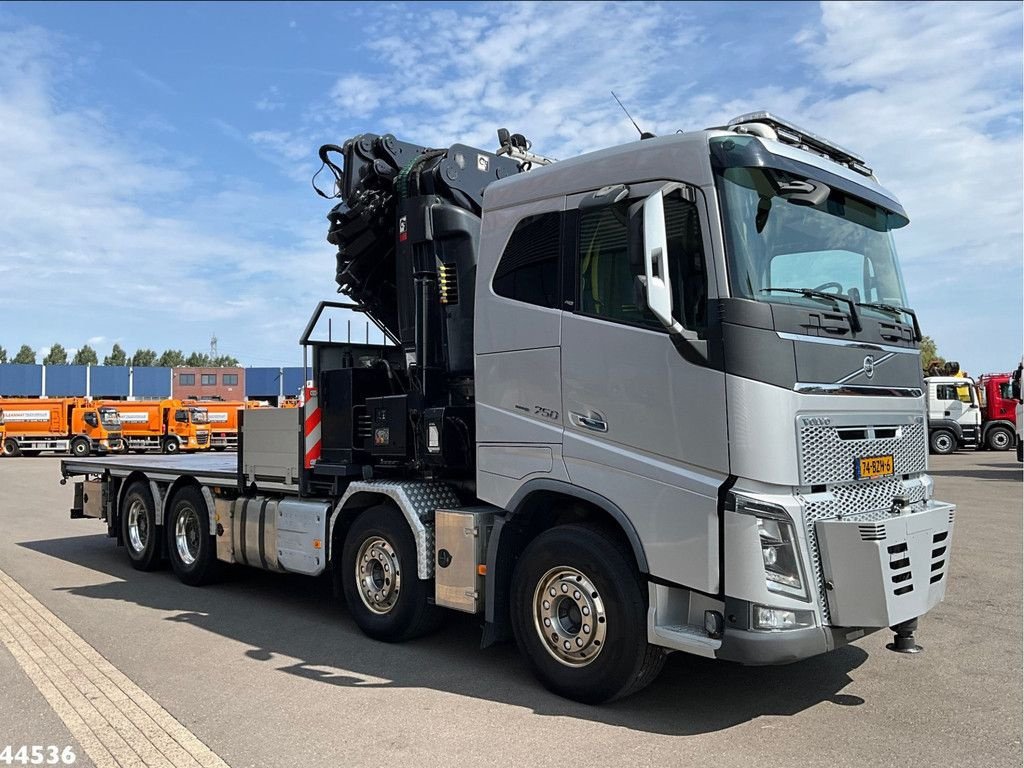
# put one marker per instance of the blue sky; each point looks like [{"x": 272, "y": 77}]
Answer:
[{"x": 154, "y": 188}]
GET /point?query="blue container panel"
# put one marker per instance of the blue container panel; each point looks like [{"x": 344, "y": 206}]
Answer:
[
  {"x": 294, "y": 381},
  {"x": 65, "y": 380},
  {"x": 262, "y": 382},
  {"x": 21, "y": 380},
  {"x": 109, "y": 381},
  {"x": 152, "y": 382}
]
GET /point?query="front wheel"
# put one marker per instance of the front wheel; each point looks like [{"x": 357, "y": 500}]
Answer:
[
  {"x": 384, "y": 594},
  {"x": 171, "y": 446},
  {"x": 80, "y": 448},
  {"x": 11, "y": 447},
  {"x": 999, "y": 439},
  {"x": 579, "y": 614},
  {"x": 943, "y": 442},
  {"x": 190, "y": 547}
]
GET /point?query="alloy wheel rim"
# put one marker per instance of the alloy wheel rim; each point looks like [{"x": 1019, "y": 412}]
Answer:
[
  {"x": 378, "y": 575},
  {"x": 186, "y": 535},
  {"x": 569, "y": 616},
  {"x": 138, "y": 526}
]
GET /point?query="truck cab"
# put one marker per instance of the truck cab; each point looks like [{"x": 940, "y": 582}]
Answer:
[
  {"x": 954, "y": 414},
  {"x": 190, "y": 424},
  {"x": 101, "y": 424},
  {"x": 998, "y": 411}
]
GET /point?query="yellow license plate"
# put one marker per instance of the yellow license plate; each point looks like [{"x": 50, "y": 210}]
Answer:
[{"x": 874, "y": 466}]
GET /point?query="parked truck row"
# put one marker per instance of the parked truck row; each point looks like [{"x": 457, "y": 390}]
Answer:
[
  {"x": 967, "y": 413},
  {"x": 664, "y": 397},
  {"x": 81, "y": 426}
]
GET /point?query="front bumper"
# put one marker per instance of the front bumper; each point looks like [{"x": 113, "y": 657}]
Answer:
[{"x": 784, "y": 647}]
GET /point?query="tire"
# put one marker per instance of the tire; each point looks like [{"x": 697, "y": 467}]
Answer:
[
  {"x": 387, "y": 599},
  {"x": 999, "y": 439},
  {"x": 80, "y": 448},
  {"x": 11, "y": 447},
  {"x": 606, "y": 659},
  {"x": 171, "y": 446},
  {"x": 138, "y": 528},
  {"x": 942, "y": 442},
  {"x": 190, "y": 547}
]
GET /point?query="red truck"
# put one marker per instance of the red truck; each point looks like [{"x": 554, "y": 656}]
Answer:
[{"x": 998, "y": 411}]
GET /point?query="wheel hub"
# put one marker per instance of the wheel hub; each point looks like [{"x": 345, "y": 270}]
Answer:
[
  {"x": 378, "y": 575},
  {"x": 569, "y": 616},
  {"x": 138, "y": 526},
  {"x": 186, "y": 535}
]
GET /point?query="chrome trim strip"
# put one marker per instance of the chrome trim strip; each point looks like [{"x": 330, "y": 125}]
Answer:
[
  {"x": 808, "y": 388},
  {"x": 870, "y": 346},
  {"x": 864, "y": 368}
]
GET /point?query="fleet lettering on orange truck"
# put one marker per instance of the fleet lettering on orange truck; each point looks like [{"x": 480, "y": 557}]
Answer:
[
  {"x": 166, "y": 425},
  {"x": 67, "y": 424}
]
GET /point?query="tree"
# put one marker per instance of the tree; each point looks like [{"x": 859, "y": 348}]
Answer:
[
  {"x": 171, "y": 358},
  {"x": 198, "y": 360},
  {"x": 26, "y": 355},
  {"x": 3, "y": 355},
  {"x": 929, "y": 354},
  {"x": 85, "y": 356},
  {"x": 144, "y": 357},
  {"x": 224, "y": 361},
  {"x": 117, "y": 356},
  {"x": 56, "y": 356}
]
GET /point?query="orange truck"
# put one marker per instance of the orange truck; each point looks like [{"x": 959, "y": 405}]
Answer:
[
  {"x": 223, "y": 416},
  {"x": 170, "y": 426},
  {"x": 69, "y": 424}
]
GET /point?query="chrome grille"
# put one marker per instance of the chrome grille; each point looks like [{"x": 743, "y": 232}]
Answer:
[
  {"x": 202, "y": 438},
  {"x": 828, "y": 452},
  {"x": 865, "y": 500}
]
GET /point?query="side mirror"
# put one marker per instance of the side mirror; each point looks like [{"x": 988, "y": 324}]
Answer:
[{"x": 657, "y": 286}]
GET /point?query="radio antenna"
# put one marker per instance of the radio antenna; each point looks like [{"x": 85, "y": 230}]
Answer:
[{"x": 643, "y": 134}]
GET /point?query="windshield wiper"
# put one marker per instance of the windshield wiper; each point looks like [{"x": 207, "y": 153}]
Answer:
[
  {"x": 896, "y": 309},
  {"x": 810, "y": 293}
]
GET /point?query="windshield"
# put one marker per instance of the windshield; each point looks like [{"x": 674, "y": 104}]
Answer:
[
  {"x": 840, "y": 245},
  {"x": 199, "y": 416},
  {"x": 109, "y": 417}
]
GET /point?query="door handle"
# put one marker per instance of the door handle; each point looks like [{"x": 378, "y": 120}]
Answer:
[{"x": 593, "y": 421}]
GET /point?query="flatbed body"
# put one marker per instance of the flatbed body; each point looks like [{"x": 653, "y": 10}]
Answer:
[{"x": 207, "y": 468}]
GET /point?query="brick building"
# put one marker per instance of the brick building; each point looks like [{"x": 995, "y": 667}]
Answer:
[{"x": 205, "y": 383}]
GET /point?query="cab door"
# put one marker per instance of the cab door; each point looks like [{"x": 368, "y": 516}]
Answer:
[{"x": 645, "y": 426}]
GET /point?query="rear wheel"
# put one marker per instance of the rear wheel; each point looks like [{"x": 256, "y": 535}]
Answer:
[
  {"x": 171, "y": 446},
  {"x": 190, "y": 547},
  {"x": 999, "y": 439},
  {"x": 579, "y": 614},
  {"x": 138, "y": 527},
  {"x": 384, "y": 593},
  {"x": 11, "y": 447},
  {"x": 943, "y": 442},
  {"x": 80, "y": 447}
]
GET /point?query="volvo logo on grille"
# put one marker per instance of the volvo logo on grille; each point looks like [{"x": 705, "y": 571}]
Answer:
[
  {"x": 869, "y": 366},
  {"x": 817, "y": 421}
]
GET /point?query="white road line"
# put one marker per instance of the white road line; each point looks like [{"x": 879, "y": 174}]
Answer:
[{"x": 116, "y": 722}]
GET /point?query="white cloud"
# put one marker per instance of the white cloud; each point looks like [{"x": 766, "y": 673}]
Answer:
[
  {"x": 125, "y": 244},
  {"x": 270, "y": 100}
]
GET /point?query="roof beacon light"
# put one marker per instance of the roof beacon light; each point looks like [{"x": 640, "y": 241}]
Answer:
[{"x": 788, "y": 133}]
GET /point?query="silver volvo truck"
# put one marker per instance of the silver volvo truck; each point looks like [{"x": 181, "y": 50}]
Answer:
[{"x": 662, "y": 397}]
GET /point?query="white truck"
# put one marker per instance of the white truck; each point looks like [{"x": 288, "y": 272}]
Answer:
[
  {"x": 662, "y": 397},
  {"x": 954, "y": 414}
]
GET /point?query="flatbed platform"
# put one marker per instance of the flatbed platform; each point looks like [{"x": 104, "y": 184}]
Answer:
[{"x": 207, "y": 468}]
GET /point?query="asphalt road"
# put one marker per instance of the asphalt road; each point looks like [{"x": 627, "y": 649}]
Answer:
[{"x": 267, "y": 670}]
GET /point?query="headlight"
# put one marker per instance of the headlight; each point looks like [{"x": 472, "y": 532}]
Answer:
[{"x": 777, "y": 540}]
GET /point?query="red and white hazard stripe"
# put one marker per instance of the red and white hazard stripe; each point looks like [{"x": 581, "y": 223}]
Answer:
[{"x": 311, "y": 426}]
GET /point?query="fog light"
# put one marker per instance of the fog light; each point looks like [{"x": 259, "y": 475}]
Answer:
[
  {"x": 766, "y": 618},
  {"x": 713, "y": 623}
]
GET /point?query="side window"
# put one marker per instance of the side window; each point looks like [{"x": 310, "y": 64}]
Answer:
[
  {"x": 1006, "y": 391},
  {"x": 610, "y": 260},
  {"x": 945, "y": 392},
  {"x": 528, "y": 270},
  {"x": 181, "y": 417}
]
